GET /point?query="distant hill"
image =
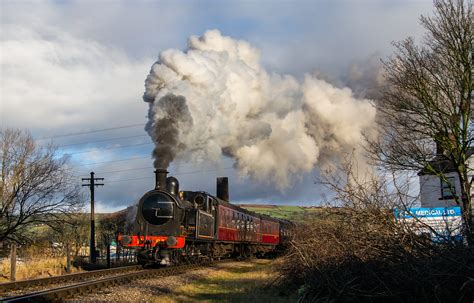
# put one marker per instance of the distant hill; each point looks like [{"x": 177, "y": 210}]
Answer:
[{"x": 289, "y": 212}]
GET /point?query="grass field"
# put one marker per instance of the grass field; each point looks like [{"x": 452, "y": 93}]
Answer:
[
  {"x": 289, "y": 212},
  {"x": 249, "y": 281}
]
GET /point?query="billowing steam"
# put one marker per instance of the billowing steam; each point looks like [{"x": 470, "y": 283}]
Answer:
[{"x": 215, "y": 98}]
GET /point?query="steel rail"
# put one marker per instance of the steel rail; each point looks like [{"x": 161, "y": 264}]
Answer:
[
  {"x": 57, "y": 294},
  {"x": 16, "y": 285}
]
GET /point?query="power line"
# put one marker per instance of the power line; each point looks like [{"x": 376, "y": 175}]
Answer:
[
  {"x": 143, "y": 168},
  {"x": 91, "y": 131},
  {"x": 103, "y": 140},
  {"x": 107, "y": 148},
  {"x": 177, "y": 174},
  {"x": 202, "y": 171},
  {"x": 119, "y": 160},
  {"x": 118, "y": 171},
  {"x": 134, "y": 179}
]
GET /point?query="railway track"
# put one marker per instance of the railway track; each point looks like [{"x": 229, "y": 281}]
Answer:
[
  {"x": 63, "y": 292},
  {"x": 68, "y": 278}
]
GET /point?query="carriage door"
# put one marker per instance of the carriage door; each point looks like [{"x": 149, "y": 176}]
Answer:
[{"x": 215, "y": 213}]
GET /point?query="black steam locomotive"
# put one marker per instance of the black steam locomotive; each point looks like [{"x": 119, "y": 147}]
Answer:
[{"x": 172, "y": 226}]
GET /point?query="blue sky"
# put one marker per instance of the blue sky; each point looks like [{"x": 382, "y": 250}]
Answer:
[{"x": 77, "y": 66}]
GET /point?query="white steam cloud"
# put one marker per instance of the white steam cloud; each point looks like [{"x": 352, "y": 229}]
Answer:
[{"x": 215, "y": 98}]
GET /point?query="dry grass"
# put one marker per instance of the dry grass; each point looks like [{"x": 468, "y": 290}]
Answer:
[
  {"x": 30, "y": 268},
  {"x": 233, "y": 282},
  {"x": 362, "y": 254}
]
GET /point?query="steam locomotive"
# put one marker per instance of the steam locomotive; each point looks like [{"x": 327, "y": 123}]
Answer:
[{"x": 173, "y": 226}]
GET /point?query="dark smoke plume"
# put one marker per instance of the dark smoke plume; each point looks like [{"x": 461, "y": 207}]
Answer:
[{"x": 165, "y": 130}]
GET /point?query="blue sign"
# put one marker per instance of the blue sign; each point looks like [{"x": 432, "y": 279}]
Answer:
[
  {"x": 441, "y": 223},
  {"x": 436, "y": 212}
]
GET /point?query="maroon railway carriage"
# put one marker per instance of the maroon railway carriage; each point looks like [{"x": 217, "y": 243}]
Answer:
[
  {"x": 240, "y": 225},
  {"x": 173, "y": 226}
]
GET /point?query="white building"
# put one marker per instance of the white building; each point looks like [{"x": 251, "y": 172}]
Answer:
[{"x": 434, "y": 192}]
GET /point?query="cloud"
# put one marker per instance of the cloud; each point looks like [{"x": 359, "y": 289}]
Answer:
[
  {"x": 53, "y": 80},
  {"x": 68, "y": 66}
]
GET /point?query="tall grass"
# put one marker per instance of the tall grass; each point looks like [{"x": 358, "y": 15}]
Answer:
[
  {"x": 333, "y": 261},
  {"x": 362, "y": 254},
  {"x": 34, "y": 267}
]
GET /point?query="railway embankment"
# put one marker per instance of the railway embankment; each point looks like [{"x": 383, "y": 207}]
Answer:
[{"x": 239, "y": 281}]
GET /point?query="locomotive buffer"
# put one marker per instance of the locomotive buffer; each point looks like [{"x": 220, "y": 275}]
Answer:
[{"x": 92, "y": 186}]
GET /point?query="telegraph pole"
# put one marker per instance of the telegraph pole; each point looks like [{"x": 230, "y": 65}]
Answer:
[{"x": 92, "y": 186}]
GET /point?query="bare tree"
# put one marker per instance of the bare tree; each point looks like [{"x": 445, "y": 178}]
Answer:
[
  {"x": 360, "y": 252},
  {"x": 110, "y": 226},
  {"x": 425, "y": 111},
  {"x": 73, "y": 232},
  {"x": 35, "y": 187}
]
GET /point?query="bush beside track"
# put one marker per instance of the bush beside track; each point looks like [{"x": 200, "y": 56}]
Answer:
[{"x": 363, "y": 256}]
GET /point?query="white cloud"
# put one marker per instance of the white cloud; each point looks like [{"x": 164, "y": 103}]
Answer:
[
  {"x": 51, "y": 79},
  {"x": 78, "y": 65}
]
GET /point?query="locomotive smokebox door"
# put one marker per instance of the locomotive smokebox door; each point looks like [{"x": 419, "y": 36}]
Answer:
[{"x": 161, "y": 212}]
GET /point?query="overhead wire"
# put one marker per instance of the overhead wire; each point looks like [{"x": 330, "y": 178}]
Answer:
[
  {"x": 116, "y": 171},
  {"x": 110, "y": 161},
  {"x": 103, "y": 140},
  {"x": 107, "y": 148},
  {"x": 176, "y": 174},
  {"x": 115, "y": 147},
  {"x": 91, "y": 131}
]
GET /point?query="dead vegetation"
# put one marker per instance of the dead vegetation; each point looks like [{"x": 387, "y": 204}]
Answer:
[
  {"x": 35, "y": 267},
  {"x": 359, "y": 253}
]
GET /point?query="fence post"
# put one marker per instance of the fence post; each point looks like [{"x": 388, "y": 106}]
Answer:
[
  {"x": 108, "y": 255},
  {"x": 68, "y": 258},
  {"x": 13, "y": 262},
  {"x": 118, "y": 249}
]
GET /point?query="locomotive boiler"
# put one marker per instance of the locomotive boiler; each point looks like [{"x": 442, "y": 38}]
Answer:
[{"x": 172, "y": 226}]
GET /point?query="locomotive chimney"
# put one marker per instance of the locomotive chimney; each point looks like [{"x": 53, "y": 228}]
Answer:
[
  {"x": 222, "y": 191},
  {"x": 160, "y": 179}
]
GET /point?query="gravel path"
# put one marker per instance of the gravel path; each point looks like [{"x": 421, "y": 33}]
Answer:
[{"x": 147, "y": 290}]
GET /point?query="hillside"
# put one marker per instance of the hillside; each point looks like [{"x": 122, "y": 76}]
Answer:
[{"x": 289, "y": 212}]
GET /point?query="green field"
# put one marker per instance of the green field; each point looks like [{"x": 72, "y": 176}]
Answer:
[{"x": 293, "y": 213}]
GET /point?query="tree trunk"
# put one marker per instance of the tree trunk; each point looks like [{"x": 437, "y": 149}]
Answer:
[{"x": 466, "y": 206}]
